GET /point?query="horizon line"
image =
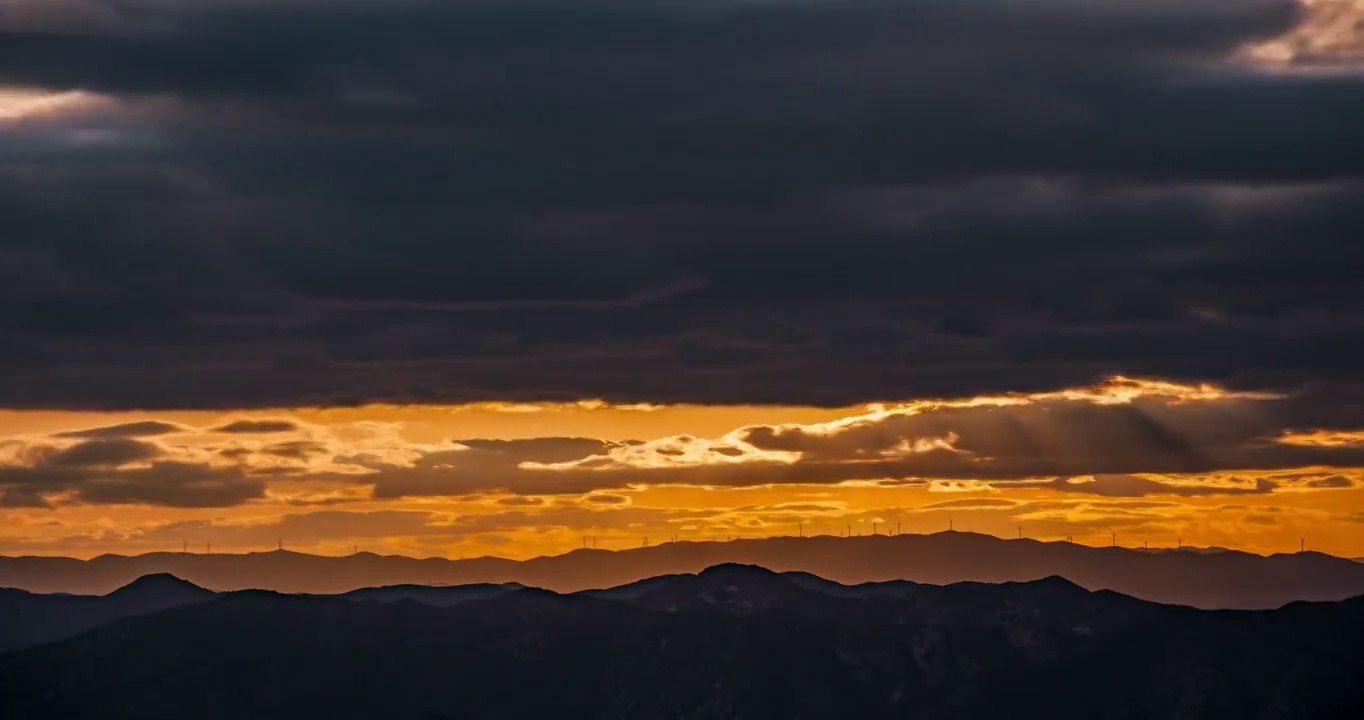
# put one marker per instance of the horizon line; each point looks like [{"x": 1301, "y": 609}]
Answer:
[{"x": 681, "y": 541}]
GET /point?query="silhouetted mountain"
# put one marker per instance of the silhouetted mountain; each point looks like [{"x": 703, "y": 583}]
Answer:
[
  {"x": 159, "y": 589},
  {"x": 433, "y": 596},
  {"x": 27, "y": 618},
  {"x": 35, "y": 618},
  {"x": 1203, "y": 578},
  {"x": 730, "y": 642},
  {"x": 742, "y": 589}
]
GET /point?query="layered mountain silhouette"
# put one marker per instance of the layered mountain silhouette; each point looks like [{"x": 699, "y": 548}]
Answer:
[
  {"x": 27, "y": 618},
  {"x": 733, "y": 641},
  {"x": 1207, "y": 578},
  {"x": 433, "y": 596}
]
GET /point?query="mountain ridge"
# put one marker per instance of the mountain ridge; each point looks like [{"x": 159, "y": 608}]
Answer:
[
  {"x": 35, "y": 618},
  {"x": 1197, "y": 577},
  {"x": 728, "y": 642}
]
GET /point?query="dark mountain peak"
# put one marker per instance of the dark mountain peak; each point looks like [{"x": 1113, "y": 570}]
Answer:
[
  {"x": 108, "y": 558},
  {"x": 737, "y": 571},
  {"x": 433, "y": 595},
  {"x": 159, "y": 584},
  {"x": 1051, "y": 585},
  {"x": 27, "y": 619},
  {"x": 527, "y": 602},
  {"x": 735, "y": 576},
  {"x": 1056, "y": 582},
  {"x": 960, "y": 535},
  {"x": 733, "y": 587},
  {"x": 523, "y": 591}
]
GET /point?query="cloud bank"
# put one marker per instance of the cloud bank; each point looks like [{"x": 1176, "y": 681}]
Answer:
[
  {"x": 242, "y": 204},
  {"x": 1125, "y": 438}
]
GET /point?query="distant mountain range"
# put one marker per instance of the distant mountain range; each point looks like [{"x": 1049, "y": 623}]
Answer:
[
  {"x": 733, "y": 641},
  {"x": 1207, "y": 578},
  {"x": 28, "y": 619}
]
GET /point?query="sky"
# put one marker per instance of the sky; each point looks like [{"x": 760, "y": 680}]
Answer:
[{"x": 469, "y": 277}]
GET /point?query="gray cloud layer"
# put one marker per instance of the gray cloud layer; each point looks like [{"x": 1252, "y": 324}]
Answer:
[{"x": 819, "y": 202}]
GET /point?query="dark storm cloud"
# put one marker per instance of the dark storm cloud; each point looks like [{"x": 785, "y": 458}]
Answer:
[
  {"x": 818, "y": 202},
  {"x": 482, "y": 465},
  {"x": 257, "y": 427},
  {"x": 117, "y": 471},
  {"x": 1333, "y": 481},
  {"x": 164, "y": 483},
  {"x": 608, "y": 499},
  {"x": 102, "y": 453},
  {"x": 16, "y": 498},
  {"x": 297, "y": 449},
  {"x": 148, "y": 428}
]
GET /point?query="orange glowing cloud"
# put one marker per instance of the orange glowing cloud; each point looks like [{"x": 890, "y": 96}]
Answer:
[{"x": 1167, "y": 460}]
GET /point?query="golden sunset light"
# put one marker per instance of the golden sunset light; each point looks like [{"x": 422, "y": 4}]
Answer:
[
  {"x": 534, "y": 479},
  {"x": 502, "y": 359}
]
